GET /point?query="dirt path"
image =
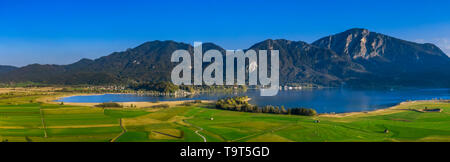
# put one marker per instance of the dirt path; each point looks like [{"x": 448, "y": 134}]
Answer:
[
  {"x": 204, "y": 139},
  {"x": 123, "y": 131},
  {"x": 197, "y": 131},
  {"x": 43, "y": 123}
]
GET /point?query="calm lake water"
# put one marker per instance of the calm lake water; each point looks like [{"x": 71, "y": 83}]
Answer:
[{"x": 326, "y": 100}]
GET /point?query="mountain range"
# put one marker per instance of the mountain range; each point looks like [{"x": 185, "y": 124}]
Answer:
[
  {"x": 4, "y": 69},
  {"x": 355, "y": 58}
]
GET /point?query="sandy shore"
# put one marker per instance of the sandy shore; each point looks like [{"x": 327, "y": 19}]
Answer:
[
  {"x": 394, "y": 109},
  {"x": 52, "y": 100}
]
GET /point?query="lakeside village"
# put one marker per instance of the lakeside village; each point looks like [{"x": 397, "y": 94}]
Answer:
[
  {"x": 156, "y": 89},
  {"x": 168, "y": 89}
]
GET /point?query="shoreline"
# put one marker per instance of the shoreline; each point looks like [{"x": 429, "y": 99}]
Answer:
[
  {"x": 143, "y": 104},
  {"x": 373, "y": 112},
  {"x": 383, "y": 111},
  {"x": 138, "y": 104}
]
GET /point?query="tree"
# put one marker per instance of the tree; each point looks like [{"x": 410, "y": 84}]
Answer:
[{"x": 283, "y": 110}]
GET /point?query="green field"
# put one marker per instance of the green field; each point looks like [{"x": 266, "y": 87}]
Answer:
[{"x": 22, "y": 119}]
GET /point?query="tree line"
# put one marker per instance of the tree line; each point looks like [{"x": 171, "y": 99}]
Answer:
[
  {"x": 240, "y": 103},
  {"x": 169, "y": 87},
  {"x": 166, "y": 87}
]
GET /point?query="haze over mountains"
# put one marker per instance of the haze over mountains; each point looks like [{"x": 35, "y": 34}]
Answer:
[{"x": 356, "y": 57}]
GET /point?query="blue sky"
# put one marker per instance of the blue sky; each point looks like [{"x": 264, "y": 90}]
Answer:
[{"x": 62, "y": 32}]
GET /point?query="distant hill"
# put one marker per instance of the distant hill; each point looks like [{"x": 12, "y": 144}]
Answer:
[
  {"x": 4, "y": 69},
  {"x": 391, "y": 60},
  {"x": 147, "y": 62},
  {"x": 301, "y": 62},
  {"x": 356, "y": 58}
]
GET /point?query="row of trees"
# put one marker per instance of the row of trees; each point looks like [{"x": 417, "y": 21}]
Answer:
[
  {"x": 241, "y": 104},
  {"x": 169, "y": 87},
  {"x": 166, "y": 87},
  {"x": 109, "y": 104}
]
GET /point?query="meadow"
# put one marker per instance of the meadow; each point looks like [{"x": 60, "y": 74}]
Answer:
[{"x": 25, "y": 118}]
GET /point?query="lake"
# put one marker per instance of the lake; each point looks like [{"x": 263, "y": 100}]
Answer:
[{"x": 326, "y": 100}]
